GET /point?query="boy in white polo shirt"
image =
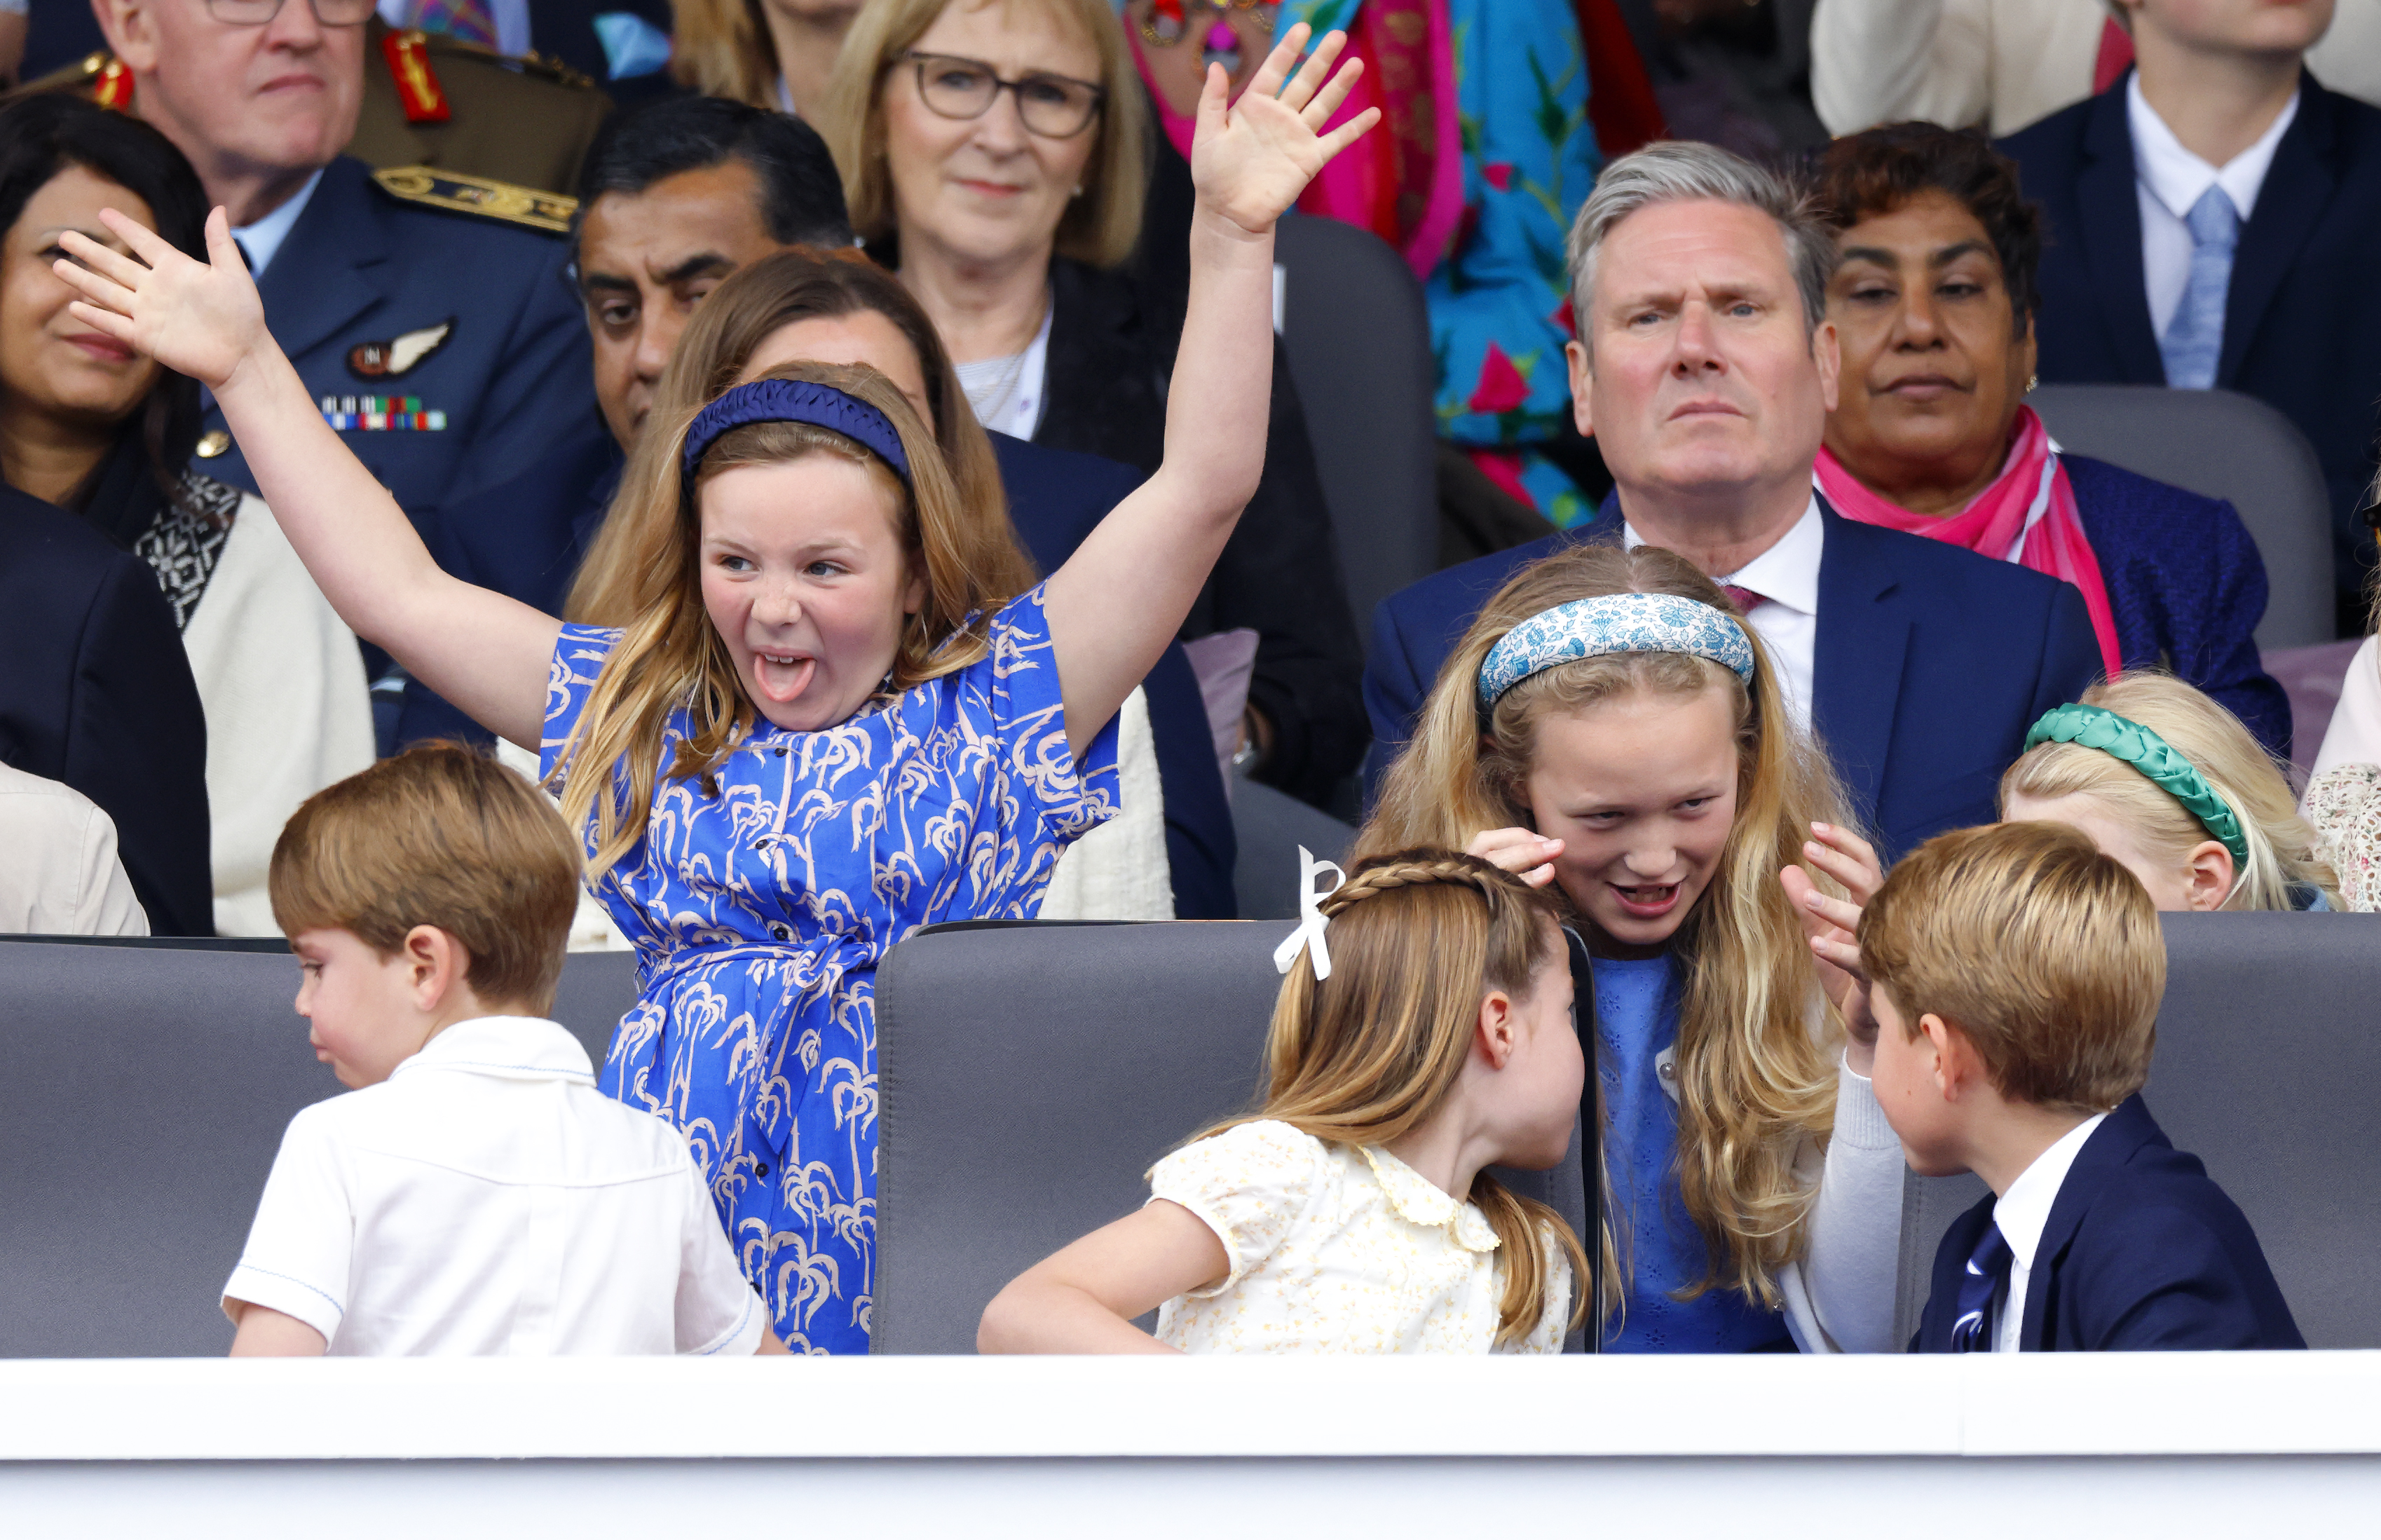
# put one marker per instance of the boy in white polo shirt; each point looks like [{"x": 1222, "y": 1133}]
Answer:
[{"x": 474, "y": 1192}]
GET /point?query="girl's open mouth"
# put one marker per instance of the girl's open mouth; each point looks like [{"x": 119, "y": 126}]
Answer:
[
  {"x": 1648, "y": 901},
  {"x": 783, "y": 676}
]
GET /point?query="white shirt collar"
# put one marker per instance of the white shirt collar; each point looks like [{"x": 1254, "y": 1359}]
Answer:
[
  {"x": 262, "y": 239},
  {"x": 511, "y": 1048},
  {"x": 1787, "y": 573},
  {"x": 2176, "y": 177},
  {"x": 2024, "y": 1209}
]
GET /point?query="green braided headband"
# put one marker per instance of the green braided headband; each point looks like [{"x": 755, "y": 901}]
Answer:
[{"x": 2120, "y": 737}]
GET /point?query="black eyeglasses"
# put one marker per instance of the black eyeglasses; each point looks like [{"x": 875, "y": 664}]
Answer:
[
  {"x": 1054, "y": 106},
  {"x": 256, "y": 12}
]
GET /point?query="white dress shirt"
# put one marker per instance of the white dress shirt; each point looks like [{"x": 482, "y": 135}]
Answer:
[
  {"x": 262, "y": 239},
  {"x": 2168, "y": 180},
  {"x": 486, "y": 1199},
  {"x": 1335, "y": 1248},
  {"x": 2021, "y": 1213},
  {"x": 1787, "y": 576}
]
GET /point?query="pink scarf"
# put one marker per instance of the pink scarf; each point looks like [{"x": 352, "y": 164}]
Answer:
[{"x": 2027, "y": 515}]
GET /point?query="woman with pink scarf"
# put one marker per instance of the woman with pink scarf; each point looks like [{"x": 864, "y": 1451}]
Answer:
[{"x": 1934, "y": 304}]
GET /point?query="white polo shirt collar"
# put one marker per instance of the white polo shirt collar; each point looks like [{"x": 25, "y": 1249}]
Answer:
[{"x": 510, "y": 1047}]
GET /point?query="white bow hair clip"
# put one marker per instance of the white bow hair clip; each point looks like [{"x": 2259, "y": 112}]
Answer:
[{"x": 1310, "y": 917}]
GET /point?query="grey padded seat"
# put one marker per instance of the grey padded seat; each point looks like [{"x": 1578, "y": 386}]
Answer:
[
  {"x": 1028, "y": 1077},
  {"x": 144, "y": 1094},
  {"x": 2219, "y": 444},
  {"x": 2266, "y": 1069},
  {"x": 1357, "y": 337}
]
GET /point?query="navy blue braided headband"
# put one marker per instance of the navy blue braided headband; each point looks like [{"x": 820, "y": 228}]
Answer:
[{"x": 795, "y": 401}]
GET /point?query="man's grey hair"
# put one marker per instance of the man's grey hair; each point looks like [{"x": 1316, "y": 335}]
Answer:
[{"x": 1678, "y": 171}]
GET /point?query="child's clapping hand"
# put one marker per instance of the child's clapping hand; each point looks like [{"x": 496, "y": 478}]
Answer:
[
  {"x": 1252, "y": 159},
  {"x": 200, "y": 319}
]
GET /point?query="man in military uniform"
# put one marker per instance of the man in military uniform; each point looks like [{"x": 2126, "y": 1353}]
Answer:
[
  {"x": 427, "y": 313},
  {"x": 428, "y": 100}
]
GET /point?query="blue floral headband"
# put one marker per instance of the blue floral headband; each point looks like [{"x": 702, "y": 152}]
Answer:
[
  {"x": 1613, "y": 623},
  {"x": 795, "y": 401}
]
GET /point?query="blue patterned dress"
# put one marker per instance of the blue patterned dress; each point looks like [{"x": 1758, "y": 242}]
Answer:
[{"x": 760, "y": 914}]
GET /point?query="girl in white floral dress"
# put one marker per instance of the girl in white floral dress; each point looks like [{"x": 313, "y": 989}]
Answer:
[{"x": 1423, "y": 1034}]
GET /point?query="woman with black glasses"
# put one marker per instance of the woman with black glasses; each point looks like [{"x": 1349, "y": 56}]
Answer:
[{"x": 995, "y": 154}]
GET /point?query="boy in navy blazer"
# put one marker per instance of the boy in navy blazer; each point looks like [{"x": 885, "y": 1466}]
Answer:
[{"x": 2015, "y": 974}]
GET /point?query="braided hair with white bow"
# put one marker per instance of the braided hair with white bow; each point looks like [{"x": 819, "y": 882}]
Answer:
[{"x": 1383, "y": 987}]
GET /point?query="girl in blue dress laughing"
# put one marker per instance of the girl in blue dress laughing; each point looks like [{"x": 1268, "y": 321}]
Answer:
[{"x": 834, "y": 723}]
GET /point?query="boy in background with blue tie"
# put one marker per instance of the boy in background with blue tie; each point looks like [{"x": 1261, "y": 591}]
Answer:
[{"x": 2015, "y": 974}]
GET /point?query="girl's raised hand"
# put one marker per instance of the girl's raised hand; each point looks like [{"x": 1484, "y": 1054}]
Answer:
[
  {"x": 1524, "y": 852},
  {"x": 200, "y": 319},
  {"x": 1252, "y": 159},
  {"x": 1832, "y": 923}
]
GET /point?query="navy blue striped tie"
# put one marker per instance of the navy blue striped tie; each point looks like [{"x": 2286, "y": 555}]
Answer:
[{"x": 1987, "y": 1271}]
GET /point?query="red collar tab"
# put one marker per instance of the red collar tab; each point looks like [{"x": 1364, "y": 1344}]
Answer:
[{"x": 417, "y": 85}]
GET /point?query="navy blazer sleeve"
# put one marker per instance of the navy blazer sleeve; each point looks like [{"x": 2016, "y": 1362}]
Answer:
[
  {"x": 540, "y": 392},
  {"x": 2071, "y": 653},
  {"x": 2159, "y": 1276},
  {"x": 136, "y": 744}
]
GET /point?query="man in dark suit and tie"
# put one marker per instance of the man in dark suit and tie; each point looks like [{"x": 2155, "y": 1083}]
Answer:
[
  {"x": 1705, "y": 368},
  {"x": 2213, "y": 221}
]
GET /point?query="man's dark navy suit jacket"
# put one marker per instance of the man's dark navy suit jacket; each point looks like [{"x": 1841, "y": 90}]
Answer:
[
  {"x": 2141, "y": 1252},
  {"x": 1931, "y": 664},
  {"x": 525, "y": 539},
  {"x": 2302, "y": 318}
]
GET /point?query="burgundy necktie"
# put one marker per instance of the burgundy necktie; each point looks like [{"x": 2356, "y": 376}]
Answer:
[{"x": 1744, "y": 599}]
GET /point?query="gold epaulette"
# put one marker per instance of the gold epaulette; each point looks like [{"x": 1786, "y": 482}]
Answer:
[
  {"x": 458, "y": 193},
  {"x": 531, "y": 63}
]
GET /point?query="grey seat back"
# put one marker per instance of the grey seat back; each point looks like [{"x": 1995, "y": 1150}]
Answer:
[
  {"x": 2267, "y": 1069},
  {"x": 1028, "y": 1077},
  {"x": 1357, "y": 338},
  {"x": 2219, "y": 444},
  {"x": 145, "y": 1093}
]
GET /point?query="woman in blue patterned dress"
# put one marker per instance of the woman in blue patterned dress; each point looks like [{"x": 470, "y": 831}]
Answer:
[{"x": 830, "y": 726}]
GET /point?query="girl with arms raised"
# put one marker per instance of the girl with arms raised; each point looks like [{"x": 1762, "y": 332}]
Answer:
[
  {"x": 833, "y": 727},
  {"x": 1609, "y": 729}
]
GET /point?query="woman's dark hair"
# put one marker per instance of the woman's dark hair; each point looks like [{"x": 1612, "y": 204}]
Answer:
[
  {"x": 801, "y": 192},
  {"x": 42, "y": 136},
  {"x": 1878, "y": 171}
]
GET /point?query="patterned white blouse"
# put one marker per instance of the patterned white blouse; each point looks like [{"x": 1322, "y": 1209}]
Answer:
[{"x": 1338, "y": 1249}]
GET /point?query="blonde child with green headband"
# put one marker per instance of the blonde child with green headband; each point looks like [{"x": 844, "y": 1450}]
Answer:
[{"x": 2172, "y": 786}]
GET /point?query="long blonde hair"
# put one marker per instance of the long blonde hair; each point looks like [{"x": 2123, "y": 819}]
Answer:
[
  {"x": 619, "y": 579},
  {"x": 671, "y": 655},
  {"x": 723, "y": 48},
  {"x": 1099, "y": 227},
  {"x": 1417, "y": 939},
  {"x": 1756, "y": 1071},
  {"x": 2282, "y": 852}
]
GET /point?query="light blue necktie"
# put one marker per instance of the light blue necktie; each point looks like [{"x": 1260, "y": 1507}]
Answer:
[{"x": 2194, "y": 338}]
